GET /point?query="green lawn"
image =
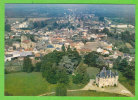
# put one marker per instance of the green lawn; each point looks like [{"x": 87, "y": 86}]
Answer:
[
  {"x": 92, "y": 71},
  {"x": 30, "y": 84},
  {"x": 27, "y": 84},
  {"x": 91, "y": 93},
  {"x": 129, "y": 84}
]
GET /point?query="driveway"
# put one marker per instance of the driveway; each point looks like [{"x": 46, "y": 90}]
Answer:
[{"x": 119, "y": 89}]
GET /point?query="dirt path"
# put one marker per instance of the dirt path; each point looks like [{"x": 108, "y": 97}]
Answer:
[
  {"x": 120, "y": 89},
  {"x": 45, "y": 94}
]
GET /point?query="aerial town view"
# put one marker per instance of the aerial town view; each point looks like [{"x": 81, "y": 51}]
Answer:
[{"x": 69, "y": 50}]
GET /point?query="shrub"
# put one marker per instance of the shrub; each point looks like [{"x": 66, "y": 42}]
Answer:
[
  {"x": 61, "y": 90},
  {"x": 77, "y": 79}
]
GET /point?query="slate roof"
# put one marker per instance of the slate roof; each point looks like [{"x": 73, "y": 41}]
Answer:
[
  {"x": 50, "y": 46},
  {"x": 106, "y": 73},
  {"x": 9, "y": 55}
]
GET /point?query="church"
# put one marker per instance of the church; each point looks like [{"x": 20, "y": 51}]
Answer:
[{"x": 107, "y": 78}]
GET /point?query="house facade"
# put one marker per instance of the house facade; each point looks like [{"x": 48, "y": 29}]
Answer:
[{"x": 106, "y": 78}]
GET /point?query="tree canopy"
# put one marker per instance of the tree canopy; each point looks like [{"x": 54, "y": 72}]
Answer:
[{"x": 27, "y": 65}]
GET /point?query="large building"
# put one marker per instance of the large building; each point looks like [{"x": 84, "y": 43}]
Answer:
[
  {"x": 106, "y": 78},
  {"x": 27, "y": 43}
]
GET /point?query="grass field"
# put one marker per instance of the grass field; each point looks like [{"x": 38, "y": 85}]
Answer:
[
  {"x": 92, "y": 71},
  {"x": 129, "y": 84},
  {"x": 31, "y": 84},
  {"x": 91, "y": 93},
  {"x": 27, "y": 84}
]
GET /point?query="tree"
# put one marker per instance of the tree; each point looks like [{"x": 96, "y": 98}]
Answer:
[
  {"x": 6, "y": 72},
  {"x": 67, "y": 64},
  {"x": 117, "y": 62},
  {"x": 92, "y": 39},
  {"x": 69, "y": 49},
  {"x": 52, "y": 76},
  {"x": 63, "y": 48},
  {"x": 125, "y": 36},
  {"x": 37, "y": 67},
  {"x": 49, "y": 66},
  {"x": 62, "y": 76},
  {"x": 61, "y": 90},
  {"x": 27, "y": 65},
  {"x": 77, "y": 78},
  {"x": 124, "y": 50},
  {"x": 32, "y": 38},
  {"x": 90, "y": 58},
  {"x": 130, "y": 71},
  {"x": 106, "y": 31},
  {"x": 123, "y": 64},
  {"x": 53, "y": 57},
  {"x": 74, "y": 56},
  {"x": 39, "y": 24},
  {"x": 100, "y": 62},
  {"x": 84, "y": 41},
  {"x": 81, "y": 76},
  {"x": 7, "y": 28}
]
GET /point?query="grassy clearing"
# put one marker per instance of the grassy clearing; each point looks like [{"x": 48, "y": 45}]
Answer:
[
  {"x": 27, "y": 84},
  {"x": 31, "y": 84},
  {"x": 129, "y": 84},
  {"x": 92, "y": 71},
  {"x": 91, "y": 93},
  {"x": 129, "y": 45}
]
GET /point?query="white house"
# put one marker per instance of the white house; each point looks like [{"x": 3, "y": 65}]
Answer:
[
  {"x": 106, "y": 78},
  {"x": 105, "y": 52},
  {"x": 99, "y": 50}
]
